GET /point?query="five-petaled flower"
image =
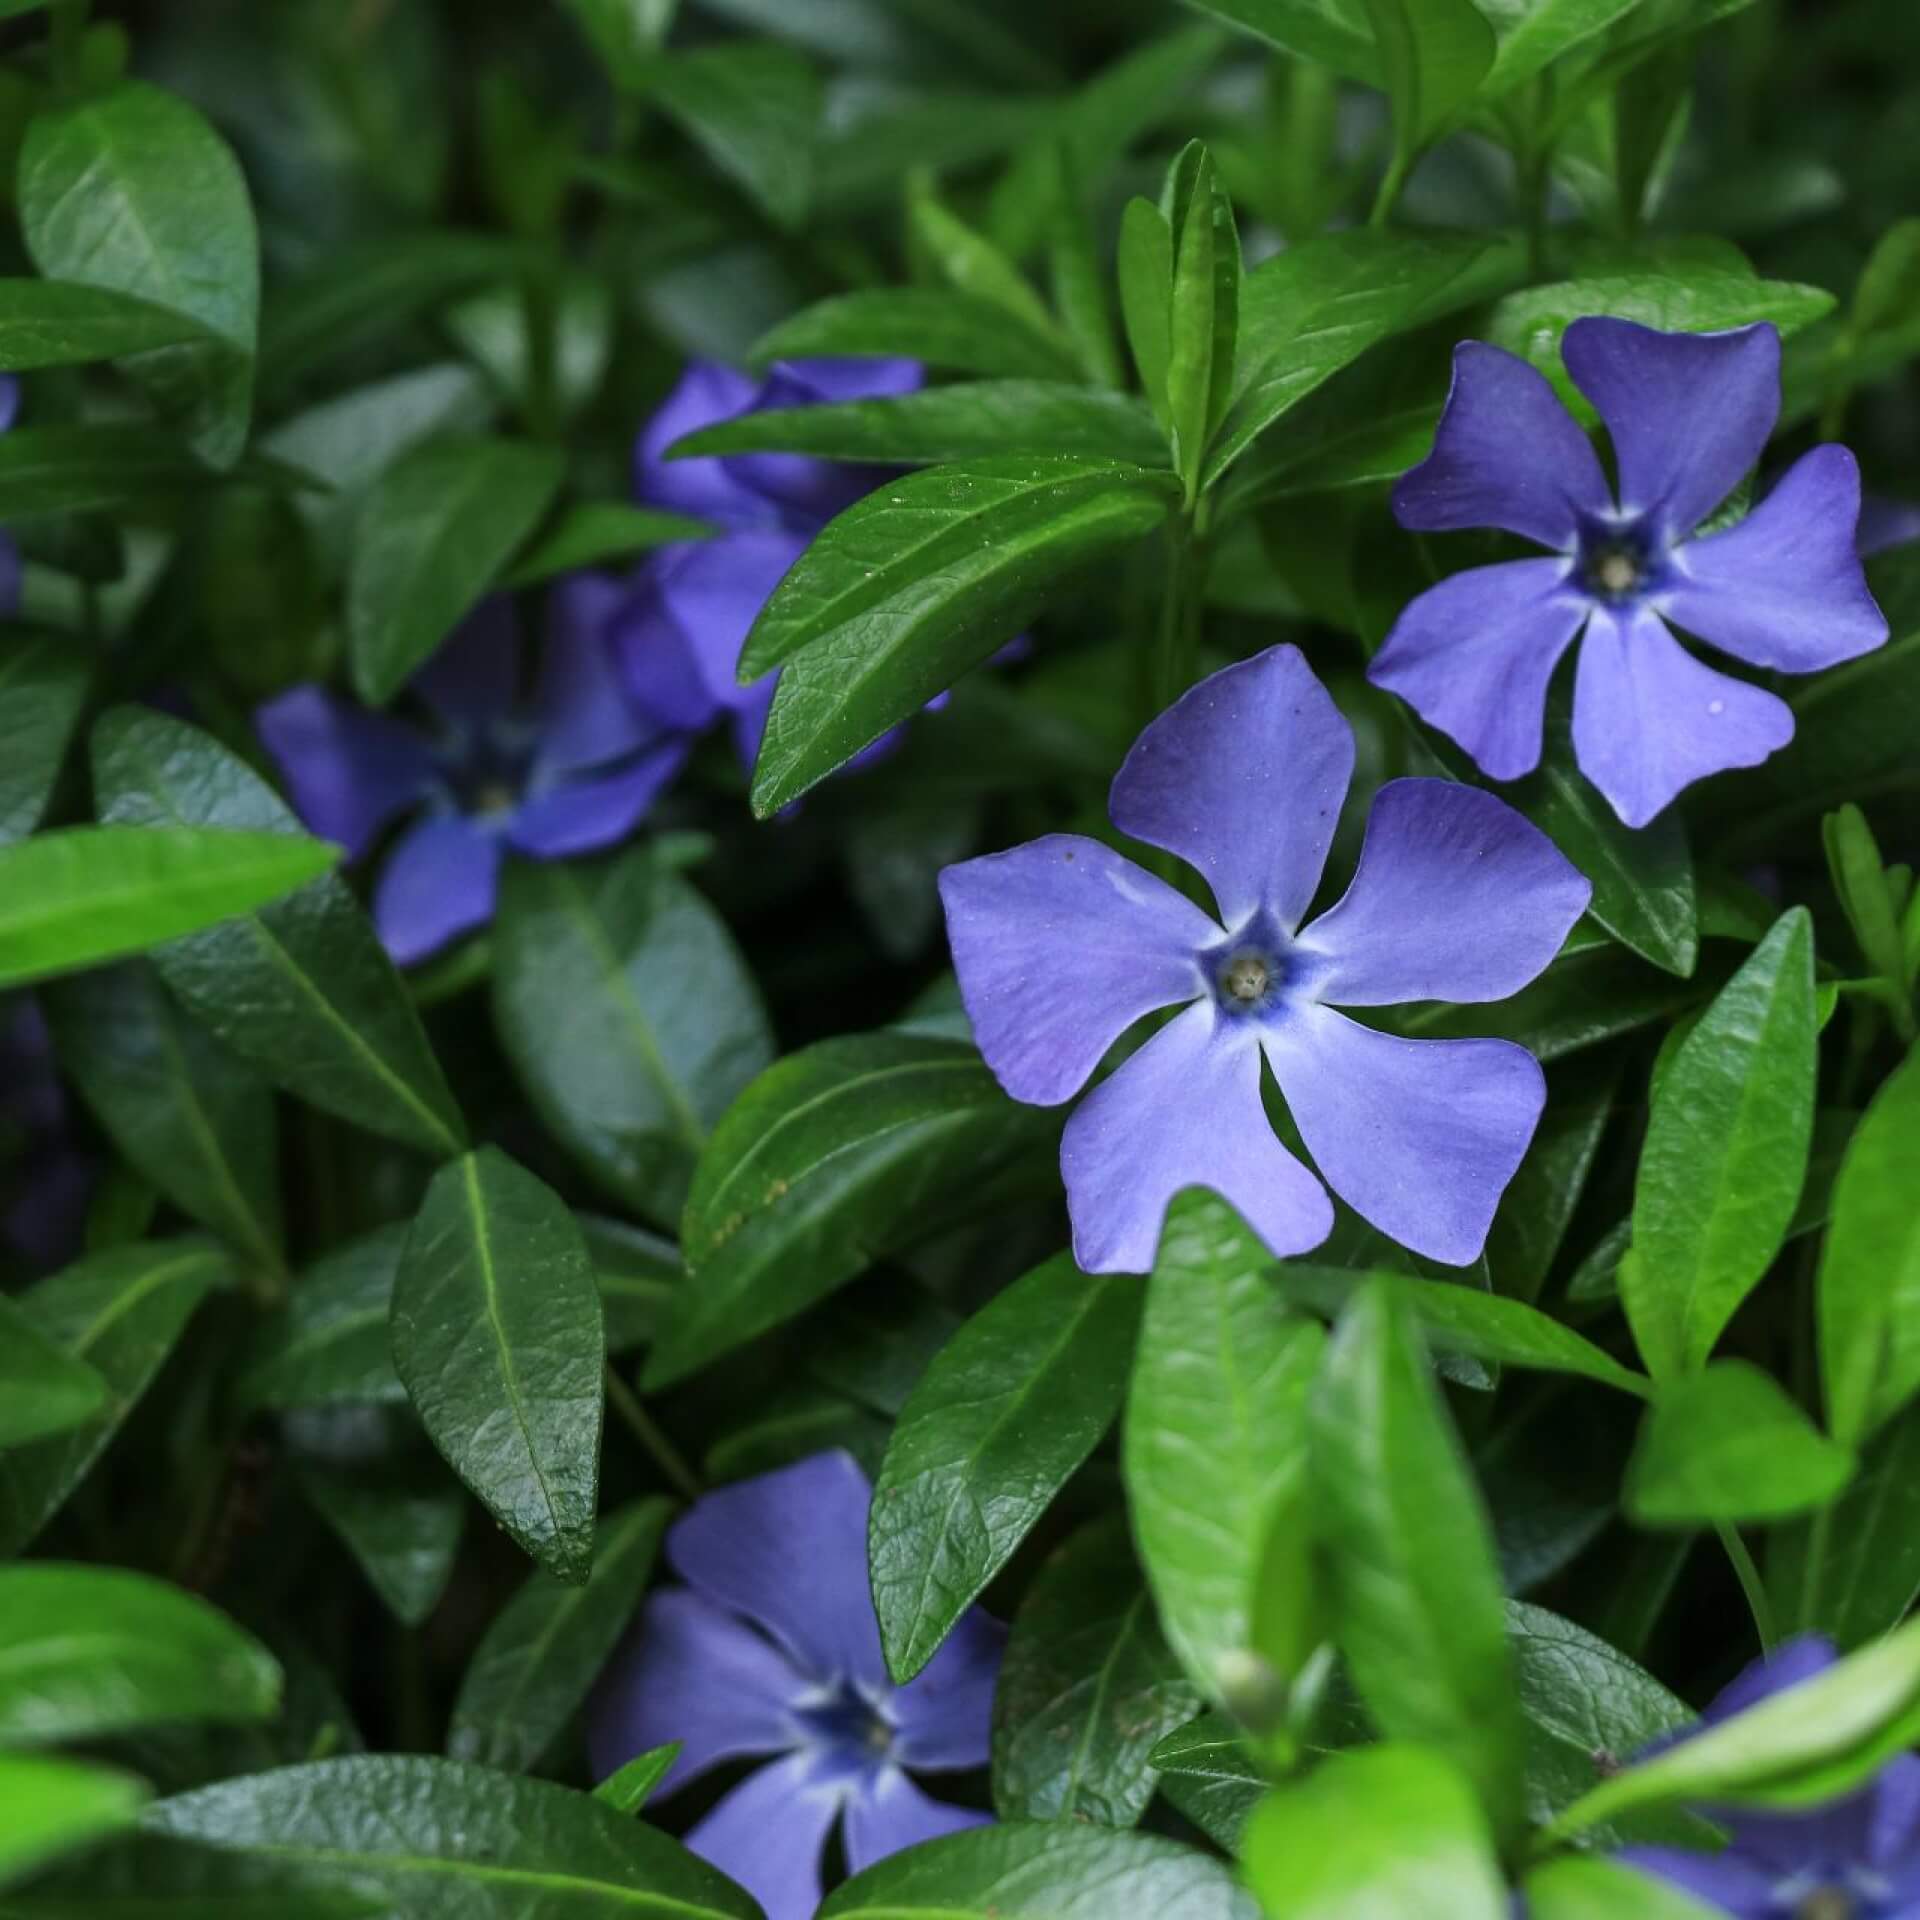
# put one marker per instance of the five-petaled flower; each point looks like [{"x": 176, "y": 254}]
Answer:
[
  {"x": 1688, "y": 415},
  {"x": 772, "y": 1648},
  {"x": 1062, "y": 944},
  {"x": 567, "y": 771},
  {"x": 1855, "y": 1858}
]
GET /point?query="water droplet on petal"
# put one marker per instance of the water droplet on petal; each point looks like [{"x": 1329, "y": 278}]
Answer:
[{"x": 1716, "y": 707}]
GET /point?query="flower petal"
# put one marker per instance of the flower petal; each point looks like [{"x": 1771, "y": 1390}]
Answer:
[
  {"x": 1895, "y": 1829},
  {"x": 810, "y": 491},
  {"x": 1185, "y": 1111},
  {"x": 1650, "y": 719},
  {"x": 945, "y": 1712},
  {"x": 1243, "y": 777},
  {"x": 439, "y": 882},
  {"x": 705, "y": 393},
  {"x": 1061, "y": 945},
  {"x": 769, "y": 1832},
  {"x": 1722, "y": 1880},
  {"x": 583, "y": 713},
  {"x": 1788, "y": 1665},
  {"x": 1784, "y": 588},
  {"x": 1419, "y": 1137},
  {"x": 582, "y": 816},
  {"x": 350, "y": 771},
  {"x": 692, "y": 1672},
  {"x": 788, "y": 1551},
  {"x": 1688, "y": 413},
  {"x": 893, "y": 1815},
  {"x": 1474, "y": 655},
  {"x": 474, "y": 677},
  {"x": 1885, "y": 523},
  {"x": 1456, "y": 897},
  {"x": 834, "y": 381},
  {"x": 1506, "y": 454}
]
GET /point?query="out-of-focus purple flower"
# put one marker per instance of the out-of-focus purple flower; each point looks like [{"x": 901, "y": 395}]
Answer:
[
  {"x": 772, "y": 1648},
  {"x": 1688, "y": 414},
  {"x": 685, "y": 619},
  {"x": 567, "y": 771},
  {"x": 10, "y": 563},
  {"x": 1857, "y": 1858},
  {"x": 50, "y": 1177},
  {"x": 1061, "y": 945},
  {"x": 1886, "y": 523}
]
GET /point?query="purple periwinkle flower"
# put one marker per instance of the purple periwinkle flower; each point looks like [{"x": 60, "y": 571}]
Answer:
[
  {"x": 568, "y": 770},
  {"x": 1886, "y": 523},
  {"x": 10, "y": 562},
  {"x": 1062, "y": 945},
  {"x": 1688, "y": 415},
  {"x": 681, "y": 627},
  {"x": 772, "y": 1648},
  {"x": 1857, "y": 1858}
]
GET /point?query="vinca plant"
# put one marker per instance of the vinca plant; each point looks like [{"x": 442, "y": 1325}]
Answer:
[{"x": 958, "y": 960}]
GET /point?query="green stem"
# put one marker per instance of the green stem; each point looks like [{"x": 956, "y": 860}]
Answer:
[
  {"x": 1391, "y": 182},
  {"x": 1750, "y": 1584},
  {"x": 1815, "y": 1572},
  {"x": 69, "y": 29},
  {"x": 1176, "y": 656},
  {"x": 541, "y": 309},
  {"x": 626, "y": 1403}
]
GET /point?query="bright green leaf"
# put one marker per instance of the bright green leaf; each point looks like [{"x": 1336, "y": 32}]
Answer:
[
  {"x": 1584, "y": 1889},
  {"x": 49, "y": 1807}
]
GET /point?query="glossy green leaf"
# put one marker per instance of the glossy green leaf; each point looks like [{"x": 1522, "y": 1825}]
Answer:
[
  {"x": 1725, "y": 1154},
  {"x": 81, "y": 895},
  {"x": 400, "y": 1514},
  {"x": 182, "y": 1110},
  {"x": 120, "y": 1312},
  {"x": 434, "y": 532},
  {"x": 329, "y": 1346},
  {"x": 1728, "y": 1445},
  {"x": 303, "y": 991},
  {"x": 445, "y": 1841},
  {"x": 1433, "y": 56},
  {"x": 1410, "y": 1556},
  {"x": 753, "y": 107},
  {"x": 629, "y": 1788},
  {"x": 133, "y": 191},
  {"x": 960, "y": 332},
  {"x": 1009, "y": 1409},
  {"x": 43, "y": 1389},
  {"x": 547, "y": 1646},
  {"x": 89, "y": 1651},
  {"x": 1410, "y": 1839},
  {"x": 1207, "y": 1774},
  {"x": 498, "y": 1337},
  {"x": 43, "y": 687},
  {"x": 1583, "y": 1889},
  {"x": 1203, "y": 311},
  {"x": 834, "y": 1157},
  {"x": 597, "y": 531},
  {"x": 1218, "y": 1399},
  {"x": 1869, "y": 1281},
  {"x": 1028, "y": 1870},
  {"x": 629, "y": 1016},
  {"x": 55, "y": 323},
  {"x": 1087, "y": 1687},
  {"x": 1146, "y": 298},
  {"x": 49, "y": 1807},
  {"x": 916, "y": 584}
]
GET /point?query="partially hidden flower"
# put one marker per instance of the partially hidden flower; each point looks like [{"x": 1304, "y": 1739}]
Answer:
[
  {"x": 681, "y": 627},
  {"x": 771, "y": 1648},
  {"x": 1687, "y": 415},
  {"x": 1886, "y": 523},
  {"x": 10, "y": 562},
  {"x": 569, "y": 767},
  {"x": 50, "y": 1177},
  {"x": 1062, "y": 945},
  {"x": 1855, "y": 1858}
]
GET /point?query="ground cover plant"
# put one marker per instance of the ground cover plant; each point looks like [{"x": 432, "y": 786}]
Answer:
[{"x": 959, "y": 960}]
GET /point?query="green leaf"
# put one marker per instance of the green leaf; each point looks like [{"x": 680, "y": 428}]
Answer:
[
  {"x": 498, "y": 1337},
  {"x": 547, "y": 1646},
  {"x": 1410, "y": 1555},
  {"x": 1869, "y": 1282},
  {"x": 444, "y": 1841},
  {"x": 43, "y": 687},
  {"x": 1860, "y": 879},
  {"x": 53, "y": 1806},
  {"x": 90, "y": 1651},
  {"x": 915, "y": 584},
  {"x": 596, "y": 531},
  {"x": 303, "y": 991},
  {"x": 329, "y": 1345},
  {"x": 962, "y": 332},
  {"x": 400, "y": 1516},
  {"x": 1087, "y": 1687},
  {"x": 1539, "y": 1206},
  {"x": 434, "y": 532},
  {"x": 638, "y": 1273},
  {"x": 1433, "y": 56},
  {"x": 133, "y": 191},
  {"x": 1410, "y": 1839},
  {"x": 183, "y": 1112},
  {"x": 50, "y": 471},
  {"x": 1203, "y": 314},
  {"x": 1220, "y": 1379},
  {"x": 1728, "y": 1445},
  {"x": 1464, "y": 1320},
  {"x": 120, "y": 1312},
  {"x": 1026, "y": 1870},
  {"x": 629, "y": 1016},
  {"x": 1207, "y": 1774},
  {"x": 626, "y": 34},
  {"x": 1332, "y": 33},
  {"x": 753, "y": 108},
  {"x": 1582, "y": 1889},
  {"x": 76, "y": 897},
  {"x": 836, "y": 1156},
  {"x": 54, "y": 323},
  {"x": 1009, "y": 1409},
  {"x": 1146, "y": 298},
  {"x": 973, "y": 266},
  {"x": 629, "y": 1789},
  {"x": 1725, "y": 1154},
  {"x": 1535, "y": 33},
  {"x": 43, "y": 1389}
]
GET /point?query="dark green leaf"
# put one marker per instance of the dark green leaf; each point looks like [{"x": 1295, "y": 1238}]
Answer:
[
  {"x": 303, "y": 991},
  {"x": 962, "y": 332},
  {"x": 1087, "y": 1687},
  {"x": 43, "y": 1389},
  {"x": 596, "y": 531},
  {"x": 1334, "y": 33},
  {"x": 625, "y": 34},
  {"x": 1002, "y": 1418},
  {"x": 400, "y": 1516},
  {"x": 638, "y": 1272},
  {"x": 329, "y": 1346},
  {"x": 834, "y": 1157},
  {"x": 1433, "y": 56},
  {"x": 43, "y": 686},
  {"x": 53, "y": 323},
  {"x": 754, "y": 109},
  {"x": 974, "y": 266},
  {"x": 1537, "y": 1209},
  {"x": 45, "y": 471},
  {"x": 1206, "y": 1772},
  {"x": 54, "y": 1806}
]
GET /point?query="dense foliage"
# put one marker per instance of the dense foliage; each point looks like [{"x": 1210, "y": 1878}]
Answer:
[{"x": 958, "y": 959}]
